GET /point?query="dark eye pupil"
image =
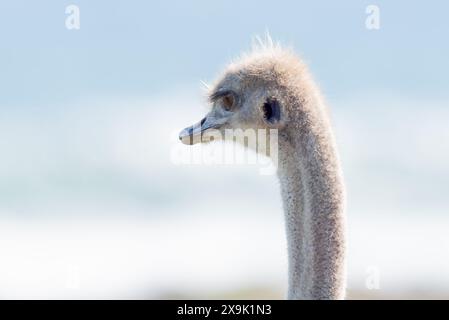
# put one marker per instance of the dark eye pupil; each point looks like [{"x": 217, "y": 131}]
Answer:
[{"x": 228, "y": 102}]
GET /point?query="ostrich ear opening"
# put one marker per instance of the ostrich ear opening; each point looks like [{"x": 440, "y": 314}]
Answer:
[{"x": 271, "y": 111}]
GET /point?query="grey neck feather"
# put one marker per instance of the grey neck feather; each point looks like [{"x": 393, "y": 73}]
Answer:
[{"x": 313, "y": 198}]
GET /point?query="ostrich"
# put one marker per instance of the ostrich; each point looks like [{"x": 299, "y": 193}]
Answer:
[{"x": 271, "y": 88}]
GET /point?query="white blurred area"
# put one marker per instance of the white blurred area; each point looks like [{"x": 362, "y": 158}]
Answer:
[{"x": 91, "y": 205}]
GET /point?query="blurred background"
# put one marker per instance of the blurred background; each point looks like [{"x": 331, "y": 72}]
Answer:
[{"x": 92, "y": 204}]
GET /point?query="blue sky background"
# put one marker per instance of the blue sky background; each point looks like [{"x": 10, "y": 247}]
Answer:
[
  {"x": 88, "y": 123},
  {"x": 140, "y": 47}
]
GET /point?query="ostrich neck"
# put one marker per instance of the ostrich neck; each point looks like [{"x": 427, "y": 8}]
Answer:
[{"x": 313, "y": 196}]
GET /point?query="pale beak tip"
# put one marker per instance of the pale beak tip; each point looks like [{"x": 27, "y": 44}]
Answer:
[{"x": 185, "y": 136}]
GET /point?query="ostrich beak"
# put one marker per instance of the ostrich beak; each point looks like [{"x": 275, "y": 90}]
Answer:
[{"x": 193, "y": 134}]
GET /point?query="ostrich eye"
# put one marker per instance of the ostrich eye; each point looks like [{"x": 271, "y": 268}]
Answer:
[
  {"x": 271, "y": 111},
  {"x": 228, "y": 102}
]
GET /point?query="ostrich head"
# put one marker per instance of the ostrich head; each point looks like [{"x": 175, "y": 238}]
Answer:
[
  {"x": 259, "y": 91},
  {"x": 271, "y": 89}
]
